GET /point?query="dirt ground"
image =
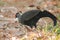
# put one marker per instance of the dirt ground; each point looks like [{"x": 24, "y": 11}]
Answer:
[{"x": 12, "y": 30}]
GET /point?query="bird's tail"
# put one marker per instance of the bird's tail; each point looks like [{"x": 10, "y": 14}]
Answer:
[{"x": 50, "y": 15}]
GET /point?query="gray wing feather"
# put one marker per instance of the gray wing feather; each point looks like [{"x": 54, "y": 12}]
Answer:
[{"x": 30, "y": 14}]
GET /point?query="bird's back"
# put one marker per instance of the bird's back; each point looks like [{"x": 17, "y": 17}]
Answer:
[{"x": 29, "y": 14}]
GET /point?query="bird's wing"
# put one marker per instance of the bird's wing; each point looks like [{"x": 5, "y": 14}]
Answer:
[{"x": 30, "y": 14}]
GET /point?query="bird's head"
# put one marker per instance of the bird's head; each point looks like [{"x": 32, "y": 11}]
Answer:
[{"x": 18, "y": 16}]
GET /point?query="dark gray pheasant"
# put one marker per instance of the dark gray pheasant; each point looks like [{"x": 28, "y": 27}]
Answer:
[{"x": 31, "y": 17}]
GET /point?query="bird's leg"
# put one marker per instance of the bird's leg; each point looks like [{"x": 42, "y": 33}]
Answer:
[
  {"x": 33, "y": 28},
  {"x": 28, "y": 28}
]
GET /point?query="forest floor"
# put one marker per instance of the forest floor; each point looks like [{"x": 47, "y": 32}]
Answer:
[{"x": 12, "y": 30}]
